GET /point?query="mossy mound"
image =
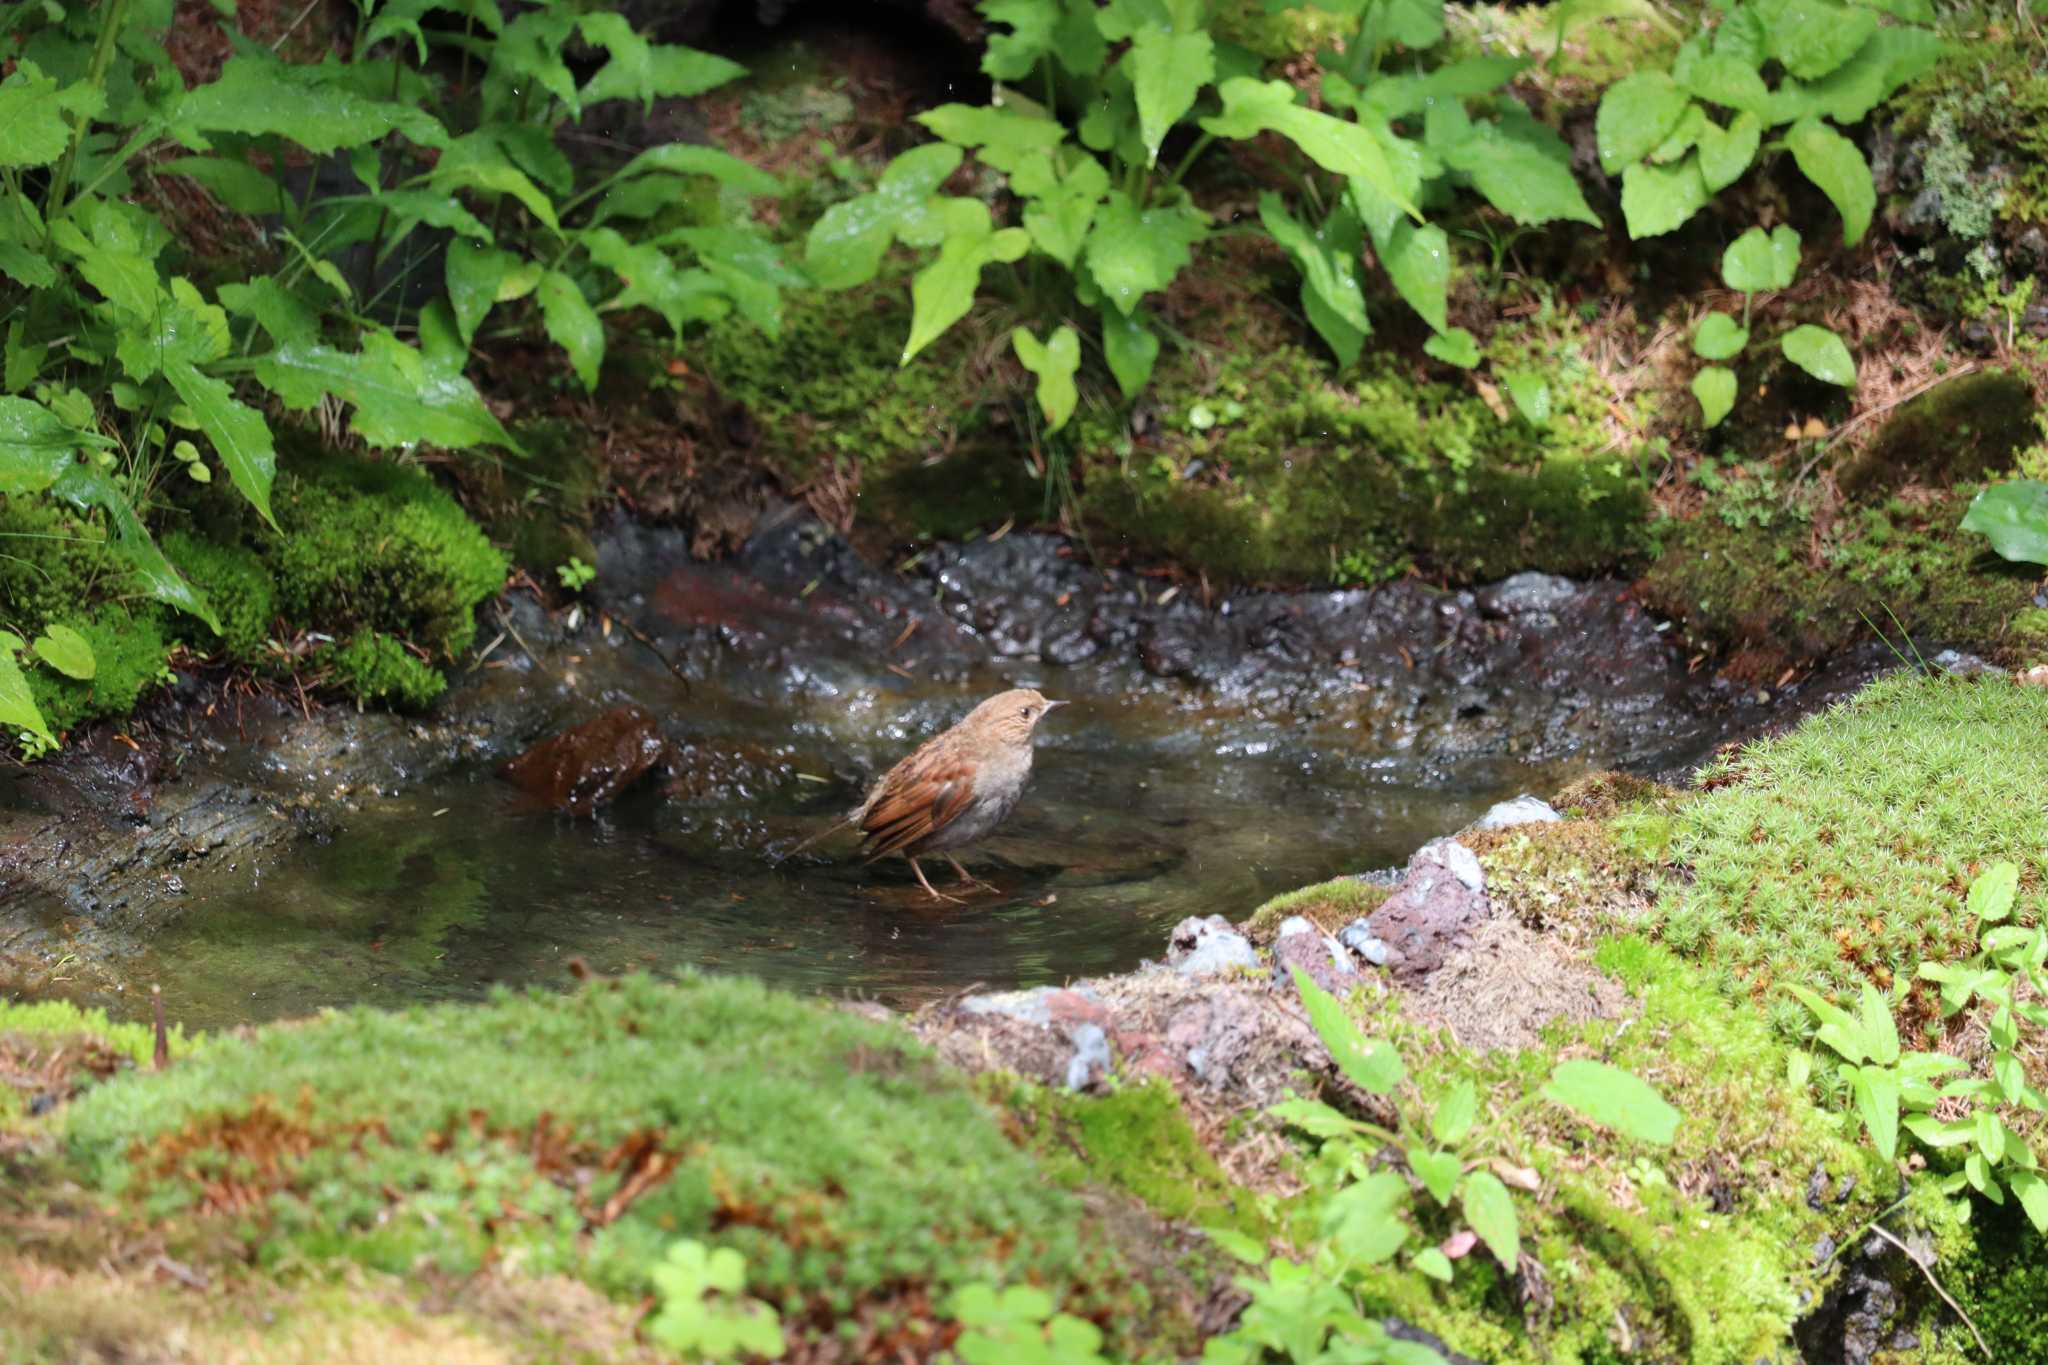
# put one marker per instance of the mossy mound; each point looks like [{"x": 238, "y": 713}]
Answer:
[
  {"x": 1329, "y": 905},
  {"x": 583, "y": 1134},
  {"x": 1962, "y": 430}
]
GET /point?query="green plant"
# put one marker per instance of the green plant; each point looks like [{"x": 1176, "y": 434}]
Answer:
[
  {"x": 1090, "y": 97},
  {"x": 2014, "y": 516},
  {"x": 1754, "y": 263},
  {"x": 705, "y": 1313},
  {"x": 576, "y": 575},
  {"x": 60, "y": 648},
  {"x": 1801, "y": 66},
  {"x": 1019, "y": 1325}
]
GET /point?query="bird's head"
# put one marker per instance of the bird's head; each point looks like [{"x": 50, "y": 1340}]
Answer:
[{"x": 1012, "y": 715}]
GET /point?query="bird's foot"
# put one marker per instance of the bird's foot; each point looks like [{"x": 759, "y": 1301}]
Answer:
[
  {"x": 967, "y": 878},
  {"x": 939, "y": 896}
]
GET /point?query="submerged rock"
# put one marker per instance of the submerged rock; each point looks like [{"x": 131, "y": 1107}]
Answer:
[{"x": 588, "y": 765}]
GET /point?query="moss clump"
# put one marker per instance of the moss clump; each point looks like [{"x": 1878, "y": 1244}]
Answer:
[
  {"x": 1842, "y": 852},
  {"x": 128, "y": 650},
  {"x": 237, "y": 586},
  {"x": 1961, "y": 430},
  {"x": 1985, "y": 105},
  {"x": 1329, "y": 905},
  {"x": 376, "y": 668},
  {"x": 581, "y": 1134},
  {"x": 53, "y": 559},
  {"x": 2003, "y": 1280}
]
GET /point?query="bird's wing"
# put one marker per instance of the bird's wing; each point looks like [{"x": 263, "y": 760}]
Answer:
[{"x": 919, "y": 797}]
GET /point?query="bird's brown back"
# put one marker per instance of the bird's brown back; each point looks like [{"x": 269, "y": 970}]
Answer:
[{"x": 938, "y": 783}]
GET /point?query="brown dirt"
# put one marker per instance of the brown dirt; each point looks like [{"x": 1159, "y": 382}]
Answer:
[{"x": 1502, "y": 990}]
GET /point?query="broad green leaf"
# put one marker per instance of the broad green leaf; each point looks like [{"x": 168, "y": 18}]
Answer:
[
  {"x": 1363, "y": 1218},
  {"x": 2032, "y": 1192},
  {"x": 1813, "y": 37},
  {"x": 1397, "y": 96},
  {"x": 1456, "y": 346},
  {"x": 280, "y": 312},
  {"x": 646, "y": 71},
  {"x": 1880, "y": 1034},
  {"x": 1133, "y": 252},
  {"x": 474, "y": 273},
  {"x": 36, "y": 446},
  {"x": 1415, "y": 24},
  {"x": 942, "y": 292},
  {"x": 17, "y": 704},
  {"x": 65, "y": 650},
  {"x": 1418, "y": 261},
  {"x": 1058, "y": 220},
  {"x": 408, "y": 208},
  {"x": 1251, "y": 107},
  {"x": 33, "y": 130},
  {"x": 1373, "y": 1066},
  {"x": 257, "y": 94},
  {"x": 1892, "y": 58},
  {"x": 1619, "y": 1099},
  {"x": 1566, "y": 19},
  {"x": 84, "y": 485},
  {"x": 1714, "y": 387},
  {"x": 1994, "y": 889},
  {"x": 240, "y": 436},
  {"x": 1833, "y": 163},
  {"x": 1011, "y": 56},
  {"x": 26, "y": 266},
  {"x": 1531, "y": 392},
  {"x": 1657, "y": 199},
  {"x": 572, "y": 324},
  {"x": 1168, "y": 68},
  {"x": 1877, "y": 1100},
  {"x": 2011, "y": 1075},
  {"x": 1314, "y": 1118},
  {"x": 686, "y": 158},
  {"x": 1524, "y": 170},
  {"x": 1328, "y": 261},
  {"x": 748, "y": 264},
  {"x": 1839, "y": 1029},
  {"x": 1490, "y": 1209},
  {"x": 2014, "y": 514},
  {"x": 652, "y": 280},
  {"x": 1438, "y": 1172},
  {"x": 401, "y": 398},
  {"x": 529, "y": 53},
  {"x": 477, "y": 162},
  {"x": 401, "y": 19},
  {"x": 1726, "y": 81},
  {"x": 1455, "y": 1113},
  {"x": 1004, "y": 137},
  {"x": 1130, "y": 347},
  {"x": 127, "y": 279},
  {"x": 1718, "y": 337},
  {"x": 1820, "y": 353},
  {"x": 1756, "y": 261},
  {"x": 1725, "y": 153},
  {"x": 1436, "y": 1265},
  {"x": 181, "y": 328},
  {"x": 1932, "y": 1132},
  {"x": 846, "y": 244},
  {"x": 1637, "y": 112},
  {"x": 235, "y": 183},
  {"x": 1055, "y": 363},
  {"x": 1684, "y": 137}
]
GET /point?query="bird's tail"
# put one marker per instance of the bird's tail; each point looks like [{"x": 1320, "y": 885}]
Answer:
[{"x": 822, "y": 834}]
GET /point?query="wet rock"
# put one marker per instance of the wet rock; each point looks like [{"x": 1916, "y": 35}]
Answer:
[
  {"x": 1359, "y": 938},
  {"x": 1960, "y": 664},
  {"x": 1440, "y": 900},
  {"x": 587, "y": 766},
  {"x": 1203, "y": 947},
  {"x": 1327, "y": 962},
  {"x": 1528, "y": 594},
  {"x": 1521, "y": 810},
  {"x": 1091, "y": 1060},
  {"x": 1851, "y": 1323}
]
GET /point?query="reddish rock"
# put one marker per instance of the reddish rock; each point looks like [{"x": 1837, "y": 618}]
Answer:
[
  {"x": 586, "y": 767},
  {"x": 1433, "y": 912}
]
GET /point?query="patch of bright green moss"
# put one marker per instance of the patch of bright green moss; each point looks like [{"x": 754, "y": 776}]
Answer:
[
  {"x": 1842, "y": 851},
  {"x": 831, "y": 1151},
  {"x": 61, "y": 1018},
  {"x": 1986, "y": 104},
  {"x": 2003, "y": 1280},
  {"x": 376, "y": 668},
  {"x": 1965, "y": 429},
  {"x": 238, "y": 588},
  {"x": 1330, "y": 905},
  {"x": 128, "y": 650}
]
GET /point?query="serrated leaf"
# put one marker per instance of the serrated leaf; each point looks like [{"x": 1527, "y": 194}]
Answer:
[
  {"x": 478, "y": 162},
  {"x": 1524, "y": 170},
  {"x": 1725, "y": 153},
  {"x": 1011, "y": 56},
  {"x": 1813, "y": 37},
  {"x": 686, "y": 158},
  {"x": 25, "y": 266},
  {"x": 1657, "y": 199},
  {"x": 942, "y": 292},
  {"x": 1251, "y": 107},
  {"x": 1727, "y": 81},
  {"x": 1993, "y": 890},
  {"x": 572, "y": 324},
  {"x": 1363, "y": 1217},
  {"x": 1059, "y": 219},
  {"x": 1718, "y": 337},
  {"x": 235, "y": 183},
  {"x": 1415, "y": 24},
  {"x": 33, "y": 130},
  {"x": 240, "y": 436},
  {"x": 652, "y": 280},
  {"x": 845, "y": 246},
  {"x": 1714, "y": 387},
  {"x": 257, "y": 95},
  {"x": 1374, "y": 1066},
  {"x": 1821, "y": 354},
  {"x": 1438, "y": 1172},
  {"x": 18, "y": 704},
  {"x": 1004, "y": 137},
  {"x": 90, "y": 486},
  {"x": 1132, "y": 252},
  {"x": 1877, "y": 1101},
  {"x": 1892, "y": 58},
  {"x": 1838, "y": 169},
  {"x": 1638, "y": 112},
  {"x": 1619, "y": 1099},
  {"x": 748, "y": 264},
  {"x": 1757, "y": 261},
  {"x": 2013, "y": 514},
  {"x": 1168, "y": 67},
  {"x": 401, "y": 397},
  {"x": 1490, "y": 1209},
  {"x": 1130, "y": 348},
  {"x": 65, "y": 650},
  {"x": 279, "y": 311},
  {"x": 646, "y": 71},
  {"x": 1455, "y": 1113},
  {"x": 1456, "y": 346},
  {"x": 1054, "y": 362}
]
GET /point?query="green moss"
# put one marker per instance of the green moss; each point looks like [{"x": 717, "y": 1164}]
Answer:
[
  {"x": 1985, "y": 104},
  {"x": 374, "y": 667},
  {"x": 237, "y": 586},
  {"x": 2002, "y": 1278},
  {"x": 1331, "y": 905},
  {"x": 1964, "y": 429},
  {"x": 832, "y": 1152},
  {"x": 53, "y": 559},
  {"x": 61, "y": 1018},
  {"x": 128, "y": 650},
  {"x": 1841, "y": 852}
]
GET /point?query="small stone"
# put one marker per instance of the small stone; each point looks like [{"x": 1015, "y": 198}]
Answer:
[
  {"x": 1448, "y": 855},
  {"x": 1527, "y": 593},
  {"x": 1203, "y": 947},
  {"x": 1091, "y": 1059},
  {"x": 2037, "y": 676},
  {"x": 1960, "y": 664},
  {"x": 1521, "y": 810},
  {"x": 1359, "y": 938},
  {"x": 1823, "y": 1250},
  {"x": 1301, "y": 944},
  {"x": 584, "y": 768}
]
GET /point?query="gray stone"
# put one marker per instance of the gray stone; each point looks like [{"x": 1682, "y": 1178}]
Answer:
[
  {"x": 1091, "y": 1059},
  {"x": 1447, "y": 857},
  {"x": 1202, "y": 947},
  {"x": 1358, "y": 937},
  {"x": 1528, "y": 593},
  {"x": 1521, "y": 810},
  {"x": 1326, "y": 961}
]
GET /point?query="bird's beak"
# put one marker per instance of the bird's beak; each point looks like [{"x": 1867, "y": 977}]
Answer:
[{"x": 1051, "y": 704}]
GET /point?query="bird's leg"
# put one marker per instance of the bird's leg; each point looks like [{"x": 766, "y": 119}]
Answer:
[
  {"x": 935, "y": 895},
  {"x": 968, "y": 878}
]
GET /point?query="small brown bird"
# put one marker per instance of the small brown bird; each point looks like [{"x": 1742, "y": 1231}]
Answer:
[{"x": 955, "y": 789}]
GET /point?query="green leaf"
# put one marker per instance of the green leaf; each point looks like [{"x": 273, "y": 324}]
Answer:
[
  {"x": 2013, "y": 514},
  {"x": 1438, "y": 1172},
  {"x": 1531, "y": 392},
  {"x": 90, "y": 486},
  {"x": 402, "y": 398},
  {"x": 1638, "y": 112},
  {"x": 1374, "y": 1066},
  {"x": 1820, "y": 353},
  {"x": 845, "y": 246},
  {"x": 1491, "y": 1212},
  {"x": 1055, "y": 363},
  {"x": 1725, "y": 153},
  {"x": 1524, "y": 170},
  {"x": 1877, "y": 1100},
  {"x": 401, "y": 19},
  {"x": 258, "y": 95},
  {"x": 748, "y": 264},
  {"x": 473, "y": 275},
  {"x": 1251, "y": 107},
  {"x": 1363, "y": 1217},
  {"x": 1005, "y": 137},
  {"x": 644, "y": 71},
  {"x": 1434, "y": 1264},
  {"x": 1168, "y": 68},
  {"x": 18, "y": 704},
  {"x": 1011, "y": 56},
  {"x": 1726, "y": 81},
  {"x": 240, "y": 436},
  {"x": 652, "y": 280},
  {"x": 1058, "y": 220},
  {"x": 1994, "y": 889},
  {"x": 1657, "y": 199},
  {"x": 1719, "y": 337},
  {"x": 942, "y": 292},
  {"x": 572, "y": 324},
  {"x": 1418, "y": 262},
  {"x": 1813, "y": 37},
  {"x": 1880, "y": 1034},
  {"x": 1133, "y": 252},
  {"x": 685, "y": 158},
  {"x": 26, "y": 267},
  {"x": 36, "y": 446},
  {"x": 1314, "y": 1118},
  {"x": 33, "y": 130},
  {"x": 1455, "y": 1113},
  {"x": 1619, "y": 1099},
  {"x": 1892, "y": 58},
  {"x": 235, "y": 183},
  {"x": 65, "y": 650},
  {"x": 2032, "y": 1191},
  {"x": 1755, "y": 262},
  {"x": 280, "y": 312},
  {"x": 1415, "y": 24},
  {"x": 1714, "y": 387},
  {"x": 1833, "y": 163},
  {"x": 1329, "y": 272},
  {"x": 1130, "y": 347},
  {"x": 477, "y": 162},
  {"x": 1454, "y": 347}
]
